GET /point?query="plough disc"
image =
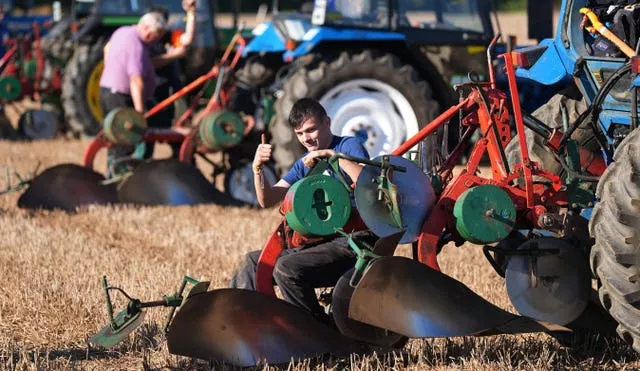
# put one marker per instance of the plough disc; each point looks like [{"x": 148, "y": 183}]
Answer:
[
  {"x": 246, "y": 328},
  {"x": 415, "y": 196},
  {"x": 553, "y": 287},
  {"x": 411, "y": 299},
  {"x": 67, "y": 187},
  {"x": 169, "y": 182}
]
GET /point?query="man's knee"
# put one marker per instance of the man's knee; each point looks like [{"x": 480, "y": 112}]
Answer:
[{"x": 286, "y": 268}]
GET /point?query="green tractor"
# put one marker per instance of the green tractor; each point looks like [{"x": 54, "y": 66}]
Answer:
[{"x": 80, "y": 90}]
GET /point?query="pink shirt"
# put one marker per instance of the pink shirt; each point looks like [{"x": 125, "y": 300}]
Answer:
[{"x": 128, "y": 56}]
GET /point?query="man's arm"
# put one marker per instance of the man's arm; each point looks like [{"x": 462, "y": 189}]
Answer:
[
  {"x": 270, "y": 195},
  {"x": 136, "y": 86},
  {"x": 105, "y": 50},
  {"x": 171, "y": 55},
  {"x": 267, "y": 194},
  {"x": 352, "y": 169},
  {"x": 189, "y": 34}
]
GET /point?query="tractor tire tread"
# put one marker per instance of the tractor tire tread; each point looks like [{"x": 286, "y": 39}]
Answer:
[
  {"x": 614, "y": 224},
  {"x": 74, "y": 101}
]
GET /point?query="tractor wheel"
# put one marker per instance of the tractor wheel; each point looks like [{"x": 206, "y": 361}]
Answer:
[
  {"x": 551, "y": 115},
  {"x": 376, "y": 97},
  {"x": 615, "y": 225},
  {"x": 81, "y": 90}
]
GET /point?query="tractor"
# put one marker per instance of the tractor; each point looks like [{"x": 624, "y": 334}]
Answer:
[
  {"x": 80, "y": 90},
  {"x": 382, "y": 69}
]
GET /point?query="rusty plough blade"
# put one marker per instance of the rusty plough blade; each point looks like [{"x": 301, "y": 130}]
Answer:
[
  {"x": 411, "y": 299},
  {"x": 247, "y": 328}
]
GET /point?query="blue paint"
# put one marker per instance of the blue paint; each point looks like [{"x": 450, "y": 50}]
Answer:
[
  {"x": 267, "y": 39},
  {"x": 319, "y": 35}
]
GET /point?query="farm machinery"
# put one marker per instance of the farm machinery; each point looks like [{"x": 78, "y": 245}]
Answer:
[
  {"x": 27, "y": 69},
  {"x": 386, "y": 298},
  {"x": 200, "y": 131},
  {"x": 80, "y": 90}
]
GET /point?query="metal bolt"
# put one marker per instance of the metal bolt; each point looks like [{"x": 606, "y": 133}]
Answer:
[
  {"x": 490, "y": 213},
  {"x": 505, "y": 214},
  {"x": 574, "y": 205},
  {"x": 547, "y": 220}
]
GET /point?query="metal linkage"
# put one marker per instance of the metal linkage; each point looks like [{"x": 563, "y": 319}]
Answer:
[{"x": 130, "y": 318}]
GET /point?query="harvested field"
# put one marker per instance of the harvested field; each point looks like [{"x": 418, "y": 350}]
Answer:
[{"x": 51, "y": 298}]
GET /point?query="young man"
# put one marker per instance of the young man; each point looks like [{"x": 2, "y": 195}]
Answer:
[{"x": 298, "y": 271}]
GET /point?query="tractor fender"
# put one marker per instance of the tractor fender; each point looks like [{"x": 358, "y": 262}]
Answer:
[
  {"x": 266, "y": 39},
  {"x": 320, "y": 35},
  {"x": 548, "y": 68}
]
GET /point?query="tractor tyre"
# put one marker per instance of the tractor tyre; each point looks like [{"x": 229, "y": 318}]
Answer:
[
  {"x": 372, "y": 95},
  {"x": 81, "y": 90},
  {"x": 551, "y": 115},
  {"x": 615, "y": 226},
  {"x": 256, "y": 73}
]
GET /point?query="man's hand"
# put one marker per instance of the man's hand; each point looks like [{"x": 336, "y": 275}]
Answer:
[
  {"x": 263, "y": 155},
  {"x": 312, "y": 157},
  {"x": 189, "y": 5}
]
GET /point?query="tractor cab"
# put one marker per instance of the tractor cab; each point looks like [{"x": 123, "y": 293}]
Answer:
[{"x": 460, "y": 20}]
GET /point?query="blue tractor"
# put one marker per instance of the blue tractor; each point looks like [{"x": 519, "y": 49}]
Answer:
[
  {"x": 595, "y": 45},
  {"x": 382, "y": 69}
]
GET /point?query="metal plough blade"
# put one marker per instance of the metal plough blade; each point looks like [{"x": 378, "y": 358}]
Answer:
[
  {"x": 67, "y": 187},
  {"x": 247, "y": 328},
  {"x": 413, "y": 300},
  {"x": 169, "y": 182}
]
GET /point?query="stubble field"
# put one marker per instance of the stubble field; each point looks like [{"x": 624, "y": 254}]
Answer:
[{"x": 51, "y": 298}]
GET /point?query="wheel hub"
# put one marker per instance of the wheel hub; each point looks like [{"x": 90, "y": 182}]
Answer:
[{"x": 373, "y": 111}]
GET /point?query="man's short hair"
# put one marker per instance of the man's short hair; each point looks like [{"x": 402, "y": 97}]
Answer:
[
  {"x": 162, "y": 10},
  {"x": 304, "y": 109},
  {"x": 154, "y": 21}
]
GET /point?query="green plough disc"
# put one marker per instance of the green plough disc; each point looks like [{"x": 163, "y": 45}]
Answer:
[
  {"x": 10, "y": 88},
  {"x": 221, "y": 129},
  {"x": 484, "y": 214},
  {"x": 124, "y": 126},
  {"x": 318, "y": 205}
]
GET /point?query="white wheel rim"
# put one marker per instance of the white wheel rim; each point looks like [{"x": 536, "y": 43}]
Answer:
[
  {"x": 241, "y": 183},
  {"x": 372, "y": 110}
]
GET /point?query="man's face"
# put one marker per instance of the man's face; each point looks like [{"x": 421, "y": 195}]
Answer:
[
  {"x": 149, "y": 37},
  {"x": 314, "y": 134}
]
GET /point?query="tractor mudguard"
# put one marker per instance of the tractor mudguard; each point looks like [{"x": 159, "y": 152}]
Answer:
[
  {"x": 266, "y": 40},
  {"x": 319, "y": 35},
  {"x": 548, "y": 69}
]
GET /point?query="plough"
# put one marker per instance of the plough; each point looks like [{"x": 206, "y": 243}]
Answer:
[{"x": 385, "y": 297}]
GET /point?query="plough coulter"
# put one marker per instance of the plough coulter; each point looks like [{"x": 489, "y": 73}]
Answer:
[{"x": 386, "y": 298}]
